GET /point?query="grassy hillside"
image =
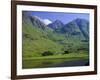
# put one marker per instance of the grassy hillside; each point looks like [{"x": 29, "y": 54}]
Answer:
[{"x": 36, "y": 41}]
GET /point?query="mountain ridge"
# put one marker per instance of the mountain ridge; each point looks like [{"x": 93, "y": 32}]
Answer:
[{"x": 38, "y": 37}]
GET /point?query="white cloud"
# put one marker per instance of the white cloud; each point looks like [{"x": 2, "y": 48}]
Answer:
[{"x": 47, "y": 21}]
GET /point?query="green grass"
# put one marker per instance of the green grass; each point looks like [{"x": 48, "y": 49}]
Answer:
[{"x": 65, "y": 56}]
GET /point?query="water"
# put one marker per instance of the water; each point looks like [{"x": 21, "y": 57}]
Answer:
[{"x": 54, "y": 63}]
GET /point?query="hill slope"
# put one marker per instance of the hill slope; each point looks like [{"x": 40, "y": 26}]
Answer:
[{"x": 56, "y": 38}]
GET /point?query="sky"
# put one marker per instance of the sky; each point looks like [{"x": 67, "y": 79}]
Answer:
[{"x": 64, "y": 17}]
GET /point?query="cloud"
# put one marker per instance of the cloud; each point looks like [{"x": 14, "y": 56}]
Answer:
[{"x": 47, "y": 21}]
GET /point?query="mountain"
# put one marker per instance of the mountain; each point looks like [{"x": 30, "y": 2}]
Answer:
[
  {"x": 55, "y": 37},
  {"x": 56, "y": 25},
  {"x": 84, "y": 26},
  {"x": 36, "y": 21},
  {"x": 37, "y": 37},
  {"x": 77, "y": 27}
]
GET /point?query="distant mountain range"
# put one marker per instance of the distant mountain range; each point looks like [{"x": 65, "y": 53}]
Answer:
[
  {"x": 75, "y": 27},
  {"x": 55, "y": 36}
]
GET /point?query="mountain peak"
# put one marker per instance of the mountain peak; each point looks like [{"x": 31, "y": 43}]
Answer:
[
  {"x": 37, "y": 18},
  {"x": 81, "y": 20},
  {"x": 57, "y": 21},
  {"x": 56, "y": 24},
  {"x": 38, "y": 22}
]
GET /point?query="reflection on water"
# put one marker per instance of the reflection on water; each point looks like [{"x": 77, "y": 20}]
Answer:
[{"x": 53, "y": 63}]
